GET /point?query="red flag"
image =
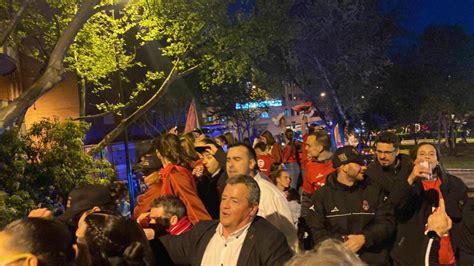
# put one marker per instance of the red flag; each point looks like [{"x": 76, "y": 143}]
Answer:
[{"x": 192, "y": 120}]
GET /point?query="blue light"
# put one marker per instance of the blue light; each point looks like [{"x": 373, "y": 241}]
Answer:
[
  {"x": 264, "y": 115},
  {"x": 262, "y": 104}
]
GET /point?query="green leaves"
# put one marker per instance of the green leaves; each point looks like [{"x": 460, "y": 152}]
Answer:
[{"x": 43, "y": 165}]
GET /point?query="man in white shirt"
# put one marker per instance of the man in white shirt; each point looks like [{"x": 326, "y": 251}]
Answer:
[
  {"x": 240, "y": 237},
  {"x": 241, "y": 160}
]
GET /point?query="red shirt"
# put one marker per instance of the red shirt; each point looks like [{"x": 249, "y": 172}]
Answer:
[
  {"x": 264, "y": 162},
  {"x": 446, "y": 253},
  {"x": 315, "y": 175},
  {"x": 289, "y": 155}
]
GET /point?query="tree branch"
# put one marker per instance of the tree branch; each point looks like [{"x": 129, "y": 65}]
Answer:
[
  {"x": 91, "y": 116},
  {"x": 54, "y": 71},
  {"x": 112, "y": 135},
  {"x": 14, "y": 21},
  {"x": 189, "y": 70}
]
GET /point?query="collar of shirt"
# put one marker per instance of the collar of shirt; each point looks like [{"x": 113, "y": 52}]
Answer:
[
  {"x": 234, "y": 235},
  {"x": 216, "y": 172}
]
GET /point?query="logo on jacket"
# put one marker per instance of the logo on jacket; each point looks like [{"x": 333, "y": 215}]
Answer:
[
  {"x": 365, "y": 205},
  {"x": 335, "y": 209}
]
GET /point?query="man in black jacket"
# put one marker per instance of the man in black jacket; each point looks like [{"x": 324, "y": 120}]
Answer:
[
  {"x": 389, "y": 164},
  {"x": 240, "y": 237},
  {"x": 351, "y": 209}
]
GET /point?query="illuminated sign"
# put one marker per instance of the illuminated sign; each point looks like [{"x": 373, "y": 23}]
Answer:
[{"x": 263, "y": 104}]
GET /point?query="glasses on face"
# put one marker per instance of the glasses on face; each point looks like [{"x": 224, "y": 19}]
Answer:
[
  {"x": 379, "y": 152},
  {"x": 5, "y": 260}
]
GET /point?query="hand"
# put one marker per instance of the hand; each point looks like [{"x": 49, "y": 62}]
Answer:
[
  {"x": 143, "y": 216},
  {"x": 198, "y": 171},
  {"x": 41, "y": 213},
  {"x": 174, "y": 130},
  {"x": 152, "y": 178},
  {"x": 149, "y": 233},
  {"x": 256, "y": 141},
  {"x": 211, "y": 149},
  {"x": 82, "y": 225},
  {"x": 355, "y": 242},
  {"x": 439, "y": 221},
  {"x": 419, "y": 171}
]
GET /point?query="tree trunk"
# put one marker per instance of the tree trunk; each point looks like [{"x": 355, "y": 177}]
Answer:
[
  {"x": 54, "y": 70},
  {"x": 82, "y": 97}
]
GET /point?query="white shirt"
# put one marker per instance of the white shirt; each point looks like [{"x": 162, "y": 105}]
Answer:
[
  {"x": 274, "y": 208},
  {"x": 223, "y": 252}
]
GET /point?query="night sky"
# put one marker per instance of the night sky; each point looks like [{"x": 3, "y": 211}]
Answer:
[{"x": 418, "y": 14}]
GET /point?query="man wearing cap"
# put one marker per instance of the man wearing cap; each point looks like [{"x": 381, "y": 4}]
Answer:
[
  {"x": 351, "y": 209},
  {"x": 86, "y": 198}
]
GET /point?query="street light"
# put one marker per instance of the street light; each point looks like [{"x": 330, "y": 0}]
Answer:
[{"x": 323, "y": 94}]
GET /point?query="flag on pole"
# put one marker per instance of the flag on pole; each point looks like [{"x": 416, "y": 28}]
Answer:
[{"x": 192, "y": 119}]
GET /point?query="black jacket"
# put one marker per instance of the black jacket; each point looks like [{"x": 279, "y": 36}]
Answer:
[
  {"x": 386, "y": 177},
  {"x": 339, "y": 210},
  {"x": 210, "y": 187},
  {"x": 263, "y": 245},
  {"x": 412, "y": 206}
]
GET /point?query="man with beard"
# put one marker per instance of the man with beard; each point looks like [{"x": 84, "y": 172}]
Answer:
[
  {"x": 167, "y": 216},
  {"x": 389, "y": 164},
  {"x": 352, "y": 210}
]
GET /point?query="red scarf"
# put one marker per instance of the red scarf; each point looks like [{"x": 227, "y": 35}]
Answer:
[
  {"x": 446, "y": 254},
  {"x": 166, "y": 188},
  {"x": 182, "y": 226}
]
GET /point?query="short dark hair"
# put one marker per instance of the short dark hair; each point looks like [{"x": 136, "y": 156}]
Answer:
[
  {"x": 250, "y": 183},
  {"x": 250, "y": 151},
  {"x": 171, "y": 204},
  {"x": 222, "y": 138},
  {"x": 323, "y": 138},
  {"x": 388, "y": 137},
  {"x": 49, "y": 240}
]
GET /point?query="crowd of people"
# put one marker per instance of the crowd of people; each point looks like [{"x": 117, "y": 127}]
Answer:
[{"x": 219, "y": 202}]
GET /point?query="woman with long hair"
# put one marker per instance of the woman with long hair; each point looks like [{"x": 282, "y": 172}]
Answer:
[
  {"x": 282, "y": 180},
  {"x": 416, "y": 198},
  {"x": 106, "y": 239},
  {"x": 272, "y": 146},
  {"x": 177, "y": 179},
  {"x": 291, "y": 157}
]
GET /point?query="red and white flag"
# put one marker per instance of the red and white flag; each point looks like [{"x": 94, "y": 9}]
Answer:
[{"x": 192, "y": 120}]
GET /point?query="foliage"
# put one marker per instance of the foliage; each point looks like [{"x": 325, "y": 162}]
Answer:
[
  {"x": 42, "y": 166},
  {"x": 222, "y": 105},
  {"x": 340, "y": 48},
  {"x": 434, "y": 81}
]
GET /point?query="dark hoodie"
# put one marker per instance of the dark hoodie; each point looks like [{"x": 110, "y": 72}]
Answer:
[{"x": 338, "y": 210}]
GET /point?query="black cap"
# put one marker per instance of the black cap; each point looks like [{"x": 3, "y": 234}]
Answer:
[
  {"x": 345, "y": 155},
  {"x": 85, "y": 198}
]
